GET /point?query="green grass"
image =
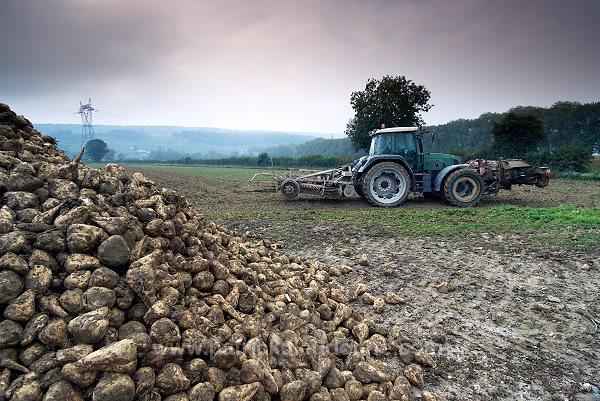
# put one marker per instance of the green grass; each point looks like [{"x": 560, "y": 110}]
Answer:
[
  {"x": 96, "y": 165},
  {"x": 212, "y": 172},
  {"x": 464, "y": 221},
  {"x": 564, "y": 226}
]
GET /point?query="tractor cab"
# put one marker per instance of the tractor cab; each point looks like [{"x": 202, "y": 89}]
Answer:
[
  {"x": 406, "y": 142},
  {"x": 398, "y": 141}
]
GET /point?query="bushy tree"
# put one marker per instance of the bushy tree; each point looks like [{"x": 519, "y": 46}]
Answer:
[
  {"x": 516, "y": 134},
  {"x": 572, "y": 158},
  {"x": 95, "y": 149},
  {"x": 262, "y": 159},
  {"x": 393, "y": 101}
]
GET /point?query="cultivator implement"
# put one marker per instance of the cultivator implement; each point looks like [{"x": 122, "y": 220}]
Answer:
[{"x": 263, "y": 182}]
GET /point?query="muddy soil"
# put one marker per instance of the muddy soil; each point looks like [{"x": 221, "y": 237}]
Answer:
[
  {"x": 230, "y": 195},
  {"x": 503, "y": 320}
]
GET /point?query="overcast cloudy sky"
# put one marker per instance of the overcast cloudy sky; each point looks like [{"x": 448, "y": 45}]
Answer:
[{"x": 290, "y": 64}]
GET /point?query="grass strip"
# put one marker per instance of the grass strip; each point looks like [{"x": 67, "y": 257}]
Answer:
[{"x": 565, "y": 226}]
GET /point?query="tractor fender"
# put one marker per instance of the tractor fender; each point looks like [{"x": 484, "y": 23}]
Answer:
[
  {"x": 437, "y": 184},
  {"x": 372, "y": 160}
]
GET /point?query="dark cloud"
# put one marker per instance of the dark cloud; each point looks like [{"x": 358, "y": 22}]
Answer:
[
  {"x": 283, "y": 64},
  {"x": 60, "y": 42}
]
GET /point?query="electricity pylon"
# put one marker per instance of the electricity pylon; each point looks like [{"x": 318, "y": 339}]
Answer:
[{"x": 87, "y": 129}]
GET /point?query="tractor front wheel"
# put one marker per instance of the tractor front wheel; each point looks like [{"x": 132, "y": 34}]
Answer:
[
  {"x": 464, "y": 188},
  {"x": 386, "y": 184}
]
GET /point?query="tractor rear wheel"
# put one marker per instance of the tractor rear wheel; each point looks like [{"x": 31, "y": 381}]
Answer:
[
  {"x": 386, "y": 184},
  {"x": 290, "y": 189},
  {"x": 464, "y": 188}
]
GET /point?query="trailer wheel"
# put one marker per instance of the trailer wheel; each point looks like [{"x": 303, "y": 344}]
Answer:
[
  {"x": 386, "y": 184},
  {"x": 542, "y": 181},
  {"x": 464, "y": 188},
  {"x": 290, "y": 189}
]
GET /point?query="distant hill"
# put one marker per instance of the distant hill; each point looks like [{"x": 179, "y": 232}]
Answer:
[
  {"x": 171, "y": 142},
  {"x": 318, "y": 146}
]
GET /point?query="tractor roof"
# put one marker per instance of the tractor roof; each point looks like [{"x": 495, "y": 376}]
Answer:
[{"x": 393, "y": 129}]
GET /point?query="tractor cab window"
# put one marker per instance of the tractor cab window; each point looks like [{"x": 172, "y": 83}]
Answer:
[
  {"x": 406, "y": 144},
  {"x": 409, "y": 149},
  {"x": 381, "y": 145},
  {"x": 393, "y": 144},
  {"x": 399, "y": 144}
]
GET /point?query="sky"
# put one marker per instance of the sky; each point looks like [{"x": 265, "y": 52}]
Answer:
[{"x": 290, "y": 65}]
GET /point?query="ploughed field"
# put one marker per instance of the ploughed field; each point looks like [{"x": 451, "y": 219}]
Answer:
[{"x": 504, "y": 296}]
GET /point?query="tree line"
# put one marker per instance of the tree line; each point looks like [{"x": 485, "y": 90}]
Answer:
[
  {"x": 563, "y": 136},
  {"x": 265, "y": 160},
  {"x": 319, "y": 146},
  {"x": 564, "y": 123}
]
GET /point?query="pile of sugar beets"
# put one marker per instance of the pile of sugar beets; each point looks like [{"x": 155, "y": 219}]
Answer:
[{"x": 113, "y": 289}]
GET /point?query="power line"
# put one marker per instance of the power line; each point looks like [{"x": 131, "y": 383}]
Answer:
[{"x": 123, "y": 118}]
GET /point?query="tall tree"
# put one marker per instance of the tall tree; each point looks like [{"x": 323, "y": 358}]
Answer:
[
  {"x": 96, "y": 149},
  {"x": 517, "y": 134},
  {"x": 393, "y": 101}
]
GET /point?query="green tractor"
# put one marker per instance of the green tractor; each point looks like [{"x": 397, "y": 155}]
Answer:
[{"x": 397, "y": 165}]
